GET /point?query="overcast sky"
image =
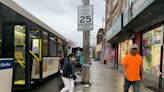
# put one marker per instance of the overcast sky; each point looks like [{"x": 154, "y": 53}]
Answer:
[{"x": 61, "y": 15}]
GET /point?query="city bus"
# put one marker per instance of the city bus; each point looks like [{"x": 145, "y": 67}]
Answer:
[{"x": 34, "y": 47}]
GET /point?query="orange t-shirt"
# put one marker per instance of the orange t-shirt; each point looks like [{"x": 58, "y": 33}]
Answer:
[{"x": 132, "y": 64}]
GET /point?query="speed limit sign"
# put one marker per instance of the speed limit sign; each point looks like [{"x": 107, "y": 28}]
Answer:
[{"x": 85, "y": 18}]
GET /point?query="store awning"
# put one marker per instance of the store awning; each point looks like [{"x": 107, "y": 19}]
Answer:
[
  {"x": 116, "y": 33},
  {"x": 143, "y": 15}
]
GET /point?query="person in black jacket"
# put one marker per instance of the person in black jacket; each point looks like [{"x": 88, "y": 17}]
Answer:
[{"x": 68, "y": 73}]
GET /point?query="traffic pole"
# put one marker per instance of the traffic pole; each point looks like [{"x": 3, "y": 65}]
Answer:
[{"x": 86, "y": 51}]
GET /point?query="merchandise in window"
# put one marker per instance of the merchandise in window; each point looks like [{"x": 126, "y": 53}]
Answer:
[{"x": 151, "y": 50}]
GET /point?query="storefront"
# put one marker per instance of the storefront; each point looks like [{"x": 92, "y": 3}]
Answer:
[
  {"x": 143, "y": 21},
  {"x": 110, "y": 52},
  {"x": 151, "y": 50},
  {"x": 124, "y": 49},
  {"x": 152, "y": 42}
]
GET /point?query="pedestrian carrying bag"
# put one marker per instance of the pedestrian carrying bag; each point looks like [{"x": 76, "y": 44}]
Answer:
[{"x": 74, "y": 77}]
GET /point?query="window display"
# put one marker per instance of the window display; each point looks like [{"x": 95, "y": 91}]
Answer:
[
  {"x": 151, "y": 50},
  {"x": 124, "y": 49}
]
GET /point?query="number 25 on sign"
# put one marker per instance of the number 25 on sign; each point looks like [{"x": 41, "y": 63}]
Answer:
[{"x": 85, "y": 18}]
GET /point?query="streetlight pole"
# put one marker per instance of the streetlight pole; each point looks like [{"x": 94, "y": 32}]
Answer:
[{"x": 86, "y": 51}]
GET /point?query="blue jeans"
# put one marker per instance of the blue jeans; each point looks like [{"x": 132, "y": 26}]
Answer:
[{"x": 136, "y": 85}]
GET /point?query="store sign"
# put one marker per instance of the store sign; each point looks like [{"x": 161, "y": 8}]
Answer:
[
  {"x": 139, "y": 5},
  {"x": 6, "y": 73},
  {"x": 85, "y": 18},
  {"x": 114, "y": 30}
]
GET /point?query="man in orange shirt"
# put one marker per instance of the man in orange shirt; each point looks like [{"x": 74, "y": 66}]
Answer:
[{"x": 132, "y": 69}]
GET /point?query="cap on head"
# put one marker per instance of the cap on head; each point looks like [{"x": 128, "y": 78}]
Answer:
[{"x": 134, "y": 46}]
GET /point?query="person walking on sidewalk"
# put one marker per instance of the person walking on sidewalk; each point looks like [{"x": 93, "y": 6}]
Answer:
[
  {"x": 68, "y": 74},
  {"x": 133, "y": 69},
  {"x": 78, "y": 54},
  {"x": 81, "y": 60}
]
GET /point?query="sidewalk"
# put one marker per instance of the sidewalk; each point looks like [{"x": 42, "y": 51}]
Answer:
[{"x": 105, "y": 79}]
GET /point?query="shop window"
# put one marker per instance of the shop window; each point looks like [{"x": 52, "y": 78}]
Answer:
[
  {"x": 53, "y": 49},
  {"x": 124, "y": 49},
  {"x": 151, "y": 50},
  {"x": 45, "y": 44}
]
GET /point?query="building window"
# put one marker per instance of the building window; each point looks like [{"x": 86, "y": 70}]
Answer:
[
  {"x": 45, "y": 44},
  {"x": 53, "y": 49}
]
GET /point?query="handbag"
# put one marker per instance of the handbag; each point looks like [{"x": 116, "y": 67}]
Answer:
[{"x": 74, "y": 77}]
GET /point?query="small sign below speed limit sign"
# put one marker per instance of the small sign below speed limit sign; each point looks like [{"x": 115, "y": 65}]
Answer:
[{"x": 85, "y": 18}]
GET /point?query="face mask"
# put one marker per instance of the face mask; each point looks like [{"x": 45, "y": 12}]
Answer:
[{"x": 73, "y": 59}]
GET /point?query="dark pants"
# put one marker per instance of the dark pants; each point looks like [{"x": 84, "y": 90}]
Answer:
[{"x": 136, "y": 85}]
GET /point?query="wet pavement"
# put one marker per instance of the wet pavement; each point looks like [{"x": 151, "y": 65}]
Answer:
[
  {"x": 52, "y": 84},
  {"x": 103, "y": 79}
]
